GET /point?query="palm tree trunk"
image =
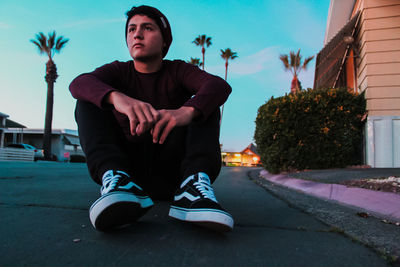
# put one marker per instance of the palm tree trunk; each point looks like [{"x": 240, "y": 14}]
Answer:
[
  {"x": 48, "y": 121},
  {"x": 51, "y": 76},
  {"x": 226, "y": 70},
  {"x": 203, "y": 51},
  {"x": 295, "y": 87}
]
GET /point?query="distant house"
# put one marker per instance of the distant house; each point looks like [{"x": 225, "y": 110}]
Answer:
[
  {"x": 7, "y": 123},
  {"x": 246, "y": 157},
  {"x": 64, "y": 142},
  {"x": 362, "y": 52}
]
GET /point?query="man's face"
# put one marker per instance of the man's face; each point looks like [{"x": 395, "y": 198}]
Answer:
[{"x": 145, "y": 42}]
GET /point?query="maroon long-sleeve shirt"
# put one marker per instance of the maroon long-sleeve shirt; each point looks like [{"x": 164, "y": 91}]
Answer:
[{"x": 176, "y": 84}]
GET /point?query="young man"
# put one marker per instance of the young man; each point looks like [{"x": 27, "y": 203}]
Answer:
[{"x": 150, "y": 129}]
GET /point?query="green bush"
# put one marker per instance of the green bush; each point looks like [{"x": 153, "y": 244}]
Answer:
[{"x": 312, "y": 129}]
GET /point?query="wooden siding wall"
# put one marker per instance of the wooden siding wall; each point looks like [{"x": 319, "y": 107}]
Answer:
[{"x": 378, "y": 68}]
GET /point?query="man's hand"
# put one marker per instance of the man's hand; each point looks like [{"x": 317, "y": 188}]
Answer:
[
  {"x": 142, "y": 116},
  {"x": 170, "y": 118}
]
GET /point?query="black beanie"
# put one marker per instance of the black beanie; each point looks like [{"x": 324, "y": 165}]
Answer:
[{"x": 158, "y": 17}]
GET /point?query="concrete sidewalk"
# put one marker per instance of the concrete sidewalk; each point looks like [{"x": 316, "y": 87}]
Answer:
[
  {"x": 380, "y": 204},
  {"x": 44, "y": 221}
]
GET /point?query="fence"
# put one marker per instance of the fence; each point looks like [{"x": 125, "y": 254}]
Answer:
[{"x": 16, "y": 154}]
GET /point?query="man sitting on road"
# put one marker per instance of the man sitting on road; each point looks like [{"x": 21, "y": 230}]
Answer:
[{"x": 150, "y": 128}]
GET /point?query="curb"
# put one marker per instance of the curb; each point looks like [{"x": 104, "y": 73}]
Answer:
[{"x": 378, "y": 203}]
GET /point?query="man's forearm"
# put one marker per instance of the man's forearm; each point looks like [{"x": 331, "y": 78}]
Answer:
[
  {"x": 191, "y": 112},
  {"x": 111, "y": 96}
]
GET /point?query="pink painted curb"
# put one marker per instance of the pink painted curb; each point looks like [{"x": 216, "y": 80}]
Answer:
[{"x": 379, "y": 203}]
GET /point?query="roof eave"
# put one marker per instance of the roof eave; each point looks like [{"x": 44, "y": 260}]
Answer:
[{"x": 339, "y": 13}]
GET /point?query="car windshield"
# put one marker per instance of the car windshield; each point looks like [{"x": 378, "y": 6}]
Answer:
[
  {"x": 29, "y": 147},
  {"x": 24, "y": 146}
]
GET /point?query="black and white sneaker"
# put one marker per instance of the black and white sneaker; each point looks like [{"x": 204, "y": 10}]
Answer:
[
  {"x": 195, "y": 202},
  {"x": 122, "y": 202}
]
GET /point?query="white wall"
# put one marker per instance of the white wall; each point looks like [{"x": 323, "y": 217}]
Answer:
[{"x": 383, "y": 141}]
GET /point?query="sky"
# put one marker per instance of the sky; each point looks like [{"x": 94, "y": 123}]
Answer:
[{"x": 258, "y": 30}]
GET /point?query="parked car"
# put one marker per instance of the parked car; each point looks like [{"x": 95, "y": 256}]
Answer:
[{"x": 38, "y": 152}]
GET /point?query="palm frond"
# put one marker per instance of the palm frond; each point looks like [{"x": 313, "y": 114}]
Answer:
[
  {"x": 202, "y": 40},
  {"x": 298, "y": 53},
  {"x": 41, "y": 51},
  {"x": 49, "y": 44},
  {"x": 223, "y": 53},
  {"x": 228, "y": 54},
  {"x": 208, "y": 41},
  {"x": 285, "y": 61},
  {"x": 51, "y": 40},
  {"x": 306, "y": 61},
  {"x": 60, "y": 43},
  {"x": 195, "y": 61},
  {"x": 292, "y": 60},
  {"x": 42, "y": 43},
  {"x": 298, "y": 59},
  {"x": 197, "y": 41},
  {"x": 42, "y": 40}
]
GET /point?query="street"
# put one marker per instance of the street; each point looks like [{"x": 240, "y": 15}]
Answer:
[{"x": 44, "y": 221}]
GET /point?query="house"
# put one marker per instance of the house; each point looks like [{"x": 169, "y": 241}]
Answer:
[
  {"x": 246, "y": 157},
  {"x": 362, "y": 52},
  {"x": 6, "y": 123},
  {"x": 65, "y": 145}
]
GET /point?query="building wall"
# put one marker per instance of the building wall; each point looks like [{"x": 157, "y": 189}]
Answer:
[
  {"x": 378, "y": 67},
  {"x": 232, "y": 158},
  {"x": 244, "y": 158},
  {"x": 378, "y": 74}
]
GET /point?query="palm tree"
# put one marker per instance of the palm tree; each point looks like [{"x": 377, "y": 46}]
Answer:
[
  {"x": 226, "y": 55},
  {"x": 195, "y": 61},
  {"x": 294, "y": 65},
  {"x": 202, "y": 40},
  {"x": 49, "y": 46}
]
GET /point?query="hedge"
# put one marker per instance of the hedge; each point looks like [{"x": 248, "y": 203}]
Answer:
[{"x": 313, "y": 129}]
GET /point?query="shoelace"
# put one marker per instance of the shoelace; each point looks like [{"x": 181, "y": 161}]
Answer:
[
  {"x": 206, "y": 190},
  {"x": 110, "y": 182}
]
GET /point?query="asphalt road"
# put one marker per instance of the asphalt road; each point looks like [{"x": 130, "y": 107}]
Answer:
[{"x": 44, "y": 221}]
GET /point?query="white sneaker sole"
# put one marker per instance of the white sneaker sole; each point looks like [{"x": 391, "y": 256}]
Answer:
[
  {"x": 214, "y": 219},
  {"x": 117, "y": 208}
]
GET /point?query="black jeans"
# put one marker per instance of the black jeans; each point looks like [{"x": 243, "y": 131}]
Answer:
[{"x": 159, "y": 169}]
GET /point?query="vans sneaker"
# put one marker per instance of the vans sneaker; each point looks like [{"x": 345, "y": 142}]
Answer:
[
  {"x": 122, "y": 202},
  {"x": 195, "y": 202}
]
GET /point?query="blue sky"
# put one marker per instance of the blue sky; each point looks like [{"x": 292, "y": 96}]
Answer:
[{"x": 259, "y": 31}]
